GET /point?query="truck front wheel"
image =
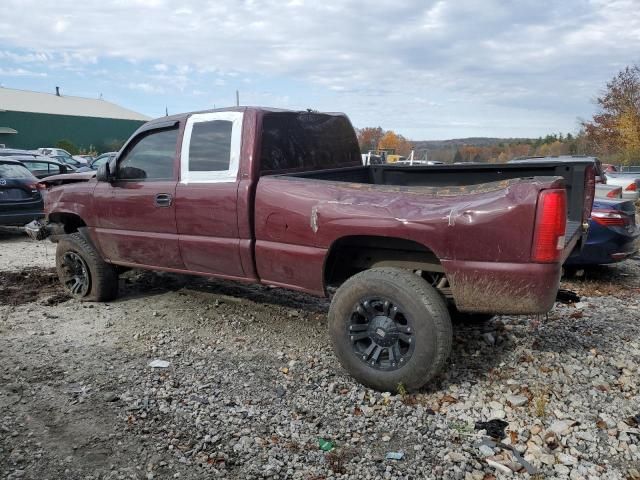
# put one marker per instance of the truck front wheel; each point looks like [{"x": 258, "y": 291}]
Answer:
[
  {"x": 82, "y": 272},
  {"x": 389, "y": 327}
]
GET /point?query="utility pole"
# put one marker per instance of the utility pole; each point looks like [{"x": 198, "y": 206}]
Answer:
[{"x": 237, "y": 98}]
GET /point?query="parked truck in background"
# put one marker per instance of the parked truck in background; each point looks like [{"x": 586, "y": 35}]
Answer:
[{"x": 282, "y": 198}]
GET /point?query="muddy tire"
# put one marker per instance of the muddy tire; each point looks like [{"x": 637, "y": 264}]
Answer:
[
  {"x": 82, "y": 272},
  {"x": 388, "y": 328}
]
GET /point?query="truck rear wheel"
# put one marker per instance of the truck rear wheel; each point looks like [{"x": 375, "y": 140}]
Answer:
[
  {"x": 389, "y": 327},
  {"x": 82, "y": 272}
]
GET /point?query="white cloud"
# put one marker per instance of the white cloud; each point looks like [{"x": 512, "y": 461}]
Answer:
[
  {"x": 145, "y": 87},
  {"x": 20, "y": 72},
  {"x": 26, "y": 58},
  {"x": 60, "y": 25}
]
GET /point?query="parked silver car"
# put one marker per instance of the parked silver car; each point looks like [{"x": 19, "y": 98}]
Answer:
[
  {"x": 630, "y": 183},
  {"x": 607, "y": 191}
]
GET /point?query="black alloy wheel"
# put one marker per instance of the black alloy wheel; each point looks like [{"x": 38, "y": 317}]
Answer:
[
  {"x": 381, "y": 335},
  {"x": 76, "y": 276}
]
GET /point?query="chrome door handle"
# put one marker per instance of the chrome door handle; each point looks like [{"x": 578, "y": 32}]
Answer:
[{"x": 163, "y": 200}]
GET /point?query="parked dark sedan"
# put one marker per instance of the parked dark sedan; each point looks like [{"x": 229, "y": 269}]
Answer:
[
  {"x": 613, "y": 234},
  {"x": 20, "y": 197},
  {"x": 42, "y": 166}
]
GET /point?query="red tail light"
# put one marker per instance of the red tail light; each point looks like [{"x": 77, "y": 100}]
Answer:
[
  {"x": 611, "y": 218},
  {"x": 632, "y": 188},
  {"x": 551, "y": 224},
  {"x": 615, "y": 193}
]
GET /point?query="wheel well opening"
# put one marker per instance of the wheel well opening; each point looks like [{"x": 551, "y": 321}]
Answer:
[
  {"x": 70, "y": 221},
  {"x": 351, "y": 255}
]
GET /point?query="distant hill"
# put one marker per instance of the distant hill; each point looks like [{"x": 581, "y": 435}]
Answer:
[
  {"x": 460, "y": 142},
  {"x": 472, "y": 149}
]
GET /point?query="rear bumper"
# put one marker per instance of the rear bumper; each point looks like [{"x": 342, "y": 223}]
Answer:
[
  {"x": 503, "y": 288},
  {"x": 13, "y": 214},
  {"x": 615, "y": 249},
  {"x": 14, "y": 219}
]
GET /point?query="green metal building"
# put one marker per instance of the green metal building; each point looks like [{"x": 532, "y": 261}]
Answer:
[{"x": 31, "y": 120}]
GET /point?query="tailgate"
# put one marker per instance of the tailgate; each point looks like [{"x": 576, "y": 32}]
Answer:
[{"x": 580, "y": 185}]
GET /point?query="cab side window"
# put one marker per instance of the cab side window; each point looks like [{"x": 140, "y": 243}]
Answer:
[
  {"x": 152, "y": 157},
  {"x": 210, "y": 147}
]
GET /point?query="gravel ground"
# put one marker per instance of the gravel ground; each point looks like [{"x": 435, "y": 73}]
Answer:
[{"x": 252, "y": 385}]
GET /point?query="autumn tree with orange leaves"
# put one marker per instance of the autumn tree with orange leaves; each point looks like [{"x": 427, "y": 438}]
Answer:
[
  {"x": 614, "y": 132},
  {"x": 375, "y": 138},
  {"x": 369, "y": 138},
  {"x": 395, "y": 142}
]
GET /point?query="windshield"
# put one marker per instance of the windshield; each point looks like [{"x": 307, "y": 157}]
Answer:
[{"x": 13, "y": 170}]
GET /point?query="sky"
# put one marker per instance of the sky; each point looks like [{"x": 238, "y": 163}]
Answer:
[{"x": 426, "y": 69}]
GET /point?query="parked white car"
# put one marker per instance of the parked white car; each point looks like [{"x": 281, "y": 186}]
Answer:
[
  {"x": 630, "y": 183},
  {"x": 61, "y": 152},
  {"x": 607, "y": 191},
  {"x": 54, "y": 151}
]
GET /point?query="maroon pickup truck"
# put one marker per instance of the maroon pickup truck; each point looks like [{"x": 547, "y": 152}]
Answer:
[{"x": 282, "y": 198}]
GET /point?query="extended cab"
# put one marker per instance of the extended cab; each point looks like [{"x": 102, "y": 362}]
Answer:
[{"x": 282, "y": 198}]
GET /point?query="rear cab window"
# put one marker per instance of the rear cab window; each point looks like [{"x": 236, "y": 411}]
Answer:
[{"x": 304, "y": 141}]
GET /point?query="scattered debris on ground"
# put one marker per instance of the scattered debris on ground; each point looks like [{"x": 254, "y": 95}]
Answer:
[{"x": 253, "y": 385}]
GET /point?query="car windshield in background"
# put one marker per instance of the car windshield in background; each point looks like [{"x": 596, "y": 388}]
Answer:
[
  {"x": 101, "y": 160},
  {"x": 14, "y": 170},
  {"x": 67, "y": 160}
]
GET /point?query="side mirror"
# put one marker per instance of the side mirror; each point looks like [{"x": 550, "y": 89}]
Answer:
[{"x": 104, "y": 174}]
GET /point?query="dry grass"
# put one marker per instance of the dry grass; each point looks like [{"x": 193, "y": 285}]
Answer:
[
  {"x": 338, "y": 458},
  {"x": 540, "y": 402},
  {"x": 595, "y": 288}
]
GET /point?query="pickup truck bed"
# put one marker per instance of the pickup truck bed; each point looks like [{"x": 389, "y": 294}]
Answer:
[
  {"x": 281, "y": 198},
  {"x": 474, "y": 177},
  {"x": 356, "y": 226}
]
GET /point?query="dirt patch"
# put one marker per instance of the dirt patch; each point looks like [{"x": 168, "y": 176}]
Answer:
[{"x": 29, "y": 285}]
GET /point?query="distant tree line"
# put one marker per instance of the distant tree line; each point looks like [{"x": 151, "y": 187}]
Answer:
[
  {"x": 613, "y": 134},
  {"x": 501, "y": 152},
  {"x": 112, "y": 145}
]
